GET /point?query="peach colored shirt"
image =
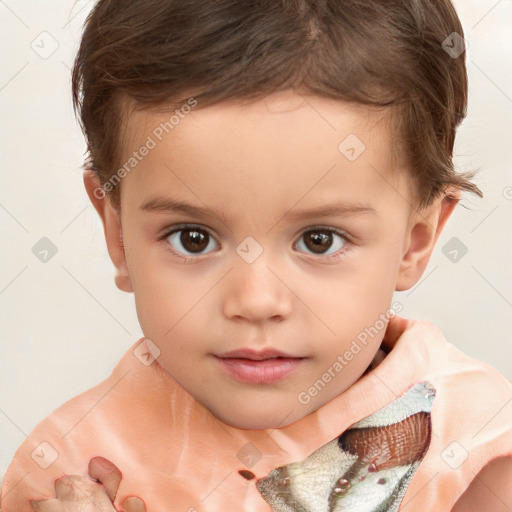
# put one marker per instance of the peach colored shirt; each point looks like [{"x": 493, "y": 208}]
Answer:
[{"x": 177, "y": 456}]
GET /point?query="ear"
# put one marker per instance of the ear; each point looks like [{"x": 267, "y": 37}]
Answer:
[
  {"x": 111, "y": 219},
  {"x": 424, "y": 230}
]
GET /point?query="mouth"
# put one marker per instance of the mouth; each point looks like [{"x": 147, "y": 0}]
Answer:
[{"x": 258, "y": 367}]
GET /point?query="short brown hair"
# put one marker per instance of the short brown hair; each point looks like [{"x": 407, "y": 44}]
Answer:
[{"x": 385, "y": 53}]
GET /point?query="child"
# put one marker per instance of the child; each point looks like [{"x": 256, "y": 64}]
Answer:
[{"x": 305, "y": 149}]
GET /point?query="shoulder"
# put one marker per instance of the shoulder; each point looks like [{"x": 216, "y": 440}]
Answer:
[
  {"x": 478, "y": 417},
  {"x": 63, "y": 442},
  {"x": 428, "y": 352},
  {"x": 451, "y": 364},
  {"x": 474, "y": 400},
  {"x": 490, "y": 491},
  {"x": 471, "y": 445}
]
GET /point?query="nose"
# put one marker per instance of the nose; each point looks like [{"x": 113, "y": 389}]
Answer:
[{"x": 255, "y": 292}]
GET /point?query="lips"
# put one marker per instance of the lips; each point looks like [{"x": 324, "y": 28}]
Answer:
[
  {"x": 256, "y": 355},
  {"x": 258, "y": 366}
]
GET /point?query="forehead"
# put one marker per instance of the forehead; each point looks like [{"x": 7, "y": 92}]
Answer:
[
  {"x": 285, "y": 146},
  {"x": 287, "y": 112}
]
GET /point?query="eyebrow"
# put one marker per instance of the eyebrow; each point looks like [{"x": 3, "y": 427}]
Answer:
[
  {"x": 166, "y": 205},
  {"x": 341, "y": 210}
]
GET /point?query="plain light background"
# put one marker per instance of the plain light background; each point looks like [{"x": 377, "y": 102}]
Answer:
[{"x": 64, "y": 324}]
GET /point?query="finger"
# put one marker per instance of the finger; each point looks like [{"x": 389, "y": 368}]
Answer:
[
  {"x": 47, "y": 506},
  {"x": 97, "y": 502},
  {"x": 70, "y": 487},
  {"x": 133, "y": 504},
  {"x": 107, "y": 473},
  {"x": 76, "y": 488},
  {"x": 81, "y": 494}
]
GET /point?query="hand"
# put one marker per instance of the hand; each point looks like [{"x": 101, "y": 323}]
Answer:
[{"x": 93, "y": 493}]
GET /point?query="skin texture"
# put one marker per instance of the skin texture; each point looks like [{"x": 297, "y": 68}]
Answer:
[
  {"x": 257, "y": 165},
  {"x": 490, "y": 491},
  {"x": 75, "y": 493}
]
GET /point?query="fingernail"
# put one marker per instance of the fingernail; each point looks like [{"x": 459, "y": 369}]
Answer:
[
  {"x": 103, "y": 462},
  {"x": 133, "y": 504}
]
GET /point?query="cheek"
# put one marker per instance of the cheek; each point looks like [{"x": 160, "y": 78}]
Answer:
[
  {"x": 170, "y": 299},
  {"x": 359, "y": 292},
  {"x": 156, "y": 299}
]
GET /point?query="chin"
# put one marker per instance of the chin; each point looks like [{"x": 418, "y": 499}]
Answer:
[
  {"x": 257, "y": 419},
  {"x": 252, "y": 423}
]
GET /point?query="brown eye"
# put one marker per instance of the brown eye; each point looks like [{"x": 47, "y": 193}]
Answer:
[
  {"x": 320, "y": 241},
  {"x": 191, "y": 240},
  {"x": 317, "y": 241},
  {"x": 194, "y": 240}
]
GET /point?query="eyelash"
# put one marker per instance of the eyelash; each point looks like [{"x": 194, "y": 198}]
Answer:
[{"x": 332, "y": 258}]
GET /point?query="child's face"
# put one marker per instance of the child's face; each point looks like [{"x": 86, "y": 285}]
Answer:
[{"x": 259, "y": 168}]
